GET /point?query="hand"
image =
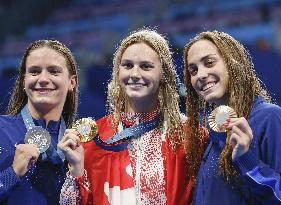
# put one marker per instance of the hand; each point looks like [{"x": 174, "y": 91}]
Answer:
[
  {"x": 25, "y": 156},
  {"x": 73, "y": 151},
  {"x": 241, "y": 136}
]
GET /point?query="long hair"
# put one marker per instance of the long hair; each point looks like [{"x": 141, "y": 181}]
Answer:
[
  {"x": 19, "y": 98},
  {"x": 243, "y": 86},
  {"x": 168, "y": 96}
]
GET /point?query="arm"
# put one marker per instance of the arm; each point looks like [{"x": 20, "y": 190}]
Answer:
[
  {"x": 261, "y": 169},
  {"x": 25, "y": 156},
  {"x": 265, "y": 182},
  {"x": 76, "y": 188},
  {"x": 8, "y": 180}
]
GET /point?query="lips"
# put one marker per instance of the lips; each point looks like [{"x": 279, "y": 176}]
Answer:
[
  {"x": 135, "y": 85},
  {"x": 208, "y": 86},
  {"x": 43, "y": 90}
]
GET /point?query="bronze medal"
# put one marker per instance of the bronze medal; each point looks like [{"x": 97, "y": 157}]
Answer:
[
  {"x": 39, "y": 137},
  {"x": 87, "y": 127},
  {"x": 219, "y": 117}
]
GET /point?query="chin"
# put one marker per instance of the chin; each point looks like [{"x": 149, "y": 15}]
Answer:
[
  {"x": 135, "y": 97},
  {"x": 44, "y": 103},
  {"x": 217, "y": 99}
]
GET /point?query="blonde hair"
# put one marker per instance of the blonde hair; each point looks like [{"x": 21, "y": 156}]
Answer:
[
  {"x": 243, "y": 86},
  {"x": 19, "y": 98},
  {"x": 168, "y": 96}
]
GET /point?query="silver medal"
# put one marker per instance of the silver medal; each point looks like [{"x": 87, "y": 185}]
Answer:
[{"x": 39, "y": 137}]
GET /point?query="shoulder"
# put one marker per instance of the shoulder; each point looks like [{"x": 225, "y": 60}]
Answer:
[
  {"x": 6, "y": 120},
  {"x": 104, "y": 120},
  {"x": 268, "y": 107},
  {"x": 105, "y": 127},
  {"x": 12, "y": 129},
  {"x": 265, "y": 120},
  {"x": 266, "y": 110}
]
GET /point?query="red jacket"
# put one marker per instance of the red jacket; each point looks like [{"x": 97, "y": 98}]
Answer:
[{"x": 107, "y": 173}]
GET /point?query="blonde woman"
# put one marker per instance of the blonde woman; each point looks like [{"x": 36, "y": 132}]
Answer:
[{"x": 147, "y": 162}]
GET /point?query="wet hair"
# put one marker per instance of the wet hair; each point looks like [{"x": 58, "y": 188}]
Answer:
[
  {"x": 19, "y": 98},
  {"x": 168, "y": 96},
  {"x": 243, "y": 86}
]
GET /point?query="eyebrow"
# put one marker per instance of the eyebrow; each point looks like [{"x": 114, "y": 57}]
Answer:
[
  {"x": 33, "y": 67},
  {"x": 204, "y": 58},
  {"x": 145, "y": 61},
  {"x": 54, "y": 66},
  {"x": 49, "y": 67}
]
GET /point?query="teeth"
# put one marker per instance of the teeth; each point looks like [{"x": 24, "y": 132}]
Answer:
[
  {"x": 135, "y": 84},
  {"x": 44, "y": 90},
  {"x": 209, "y": 85}
]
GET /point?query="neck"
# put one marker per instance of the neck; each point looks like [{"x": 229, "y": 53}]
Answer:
[
  {"x": 46, "y": 113},
  {"x": 222, "y": 101},
  {"x": 139, "y": 106}
]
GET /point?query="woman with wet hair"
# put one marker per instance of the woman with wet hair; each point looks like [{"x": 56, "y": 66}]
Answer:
[
  {"x": 242, "y": 165},
  {"x": 140, "y": 155},
  {"x": 43, "y": 103}
]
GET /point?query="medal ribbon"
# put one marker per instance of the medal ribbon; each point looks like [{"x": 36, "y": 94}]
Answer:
[
  {"x": 52, "y": 152},
  {"x": 126, "y": 134}
]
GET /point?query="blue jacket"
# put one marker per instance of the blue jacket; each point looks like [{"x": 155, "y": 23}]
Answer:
[
  {"x": 43, "y": 182},
  {"x": 260, "y": 167}
]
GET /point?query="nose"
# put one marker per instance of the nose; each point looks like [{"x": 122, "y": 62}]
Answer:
[
  {"x": 43, "y": 77},
  {"x": 135, "y": 72},
  {"x": 202, "y": 73}
]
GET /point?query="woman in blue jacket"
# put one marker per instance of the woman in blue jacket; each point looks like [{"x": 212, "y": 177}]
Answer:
[
  {"x": 43, "y": 103},
  {"x": 241, "y": 166}
]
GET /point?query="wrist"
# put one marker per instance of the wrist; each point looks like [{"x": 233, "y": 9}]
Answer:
[
  {"x": 76, "y": 170},
  {"x": 16, "y": 171}
]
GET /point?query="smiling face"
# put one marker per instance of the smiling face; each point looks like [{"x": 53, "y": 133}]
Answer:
[
  {"x": 208, "y": 72},
  {"x": 140, "y": 73},
  {"x": 47, "y": 80}
]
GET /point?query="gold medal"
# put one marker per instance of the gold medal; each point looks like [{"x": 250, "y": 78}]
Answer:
[
  {"x": 87, "y": 127},
  {"x": 219, "y": 117}
]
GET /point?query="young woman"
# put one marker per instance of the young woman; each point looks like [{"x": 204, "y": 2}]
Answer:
[
  {"x": 243, "y": 165},
  {"x": 140, "y": 153},
  {"x": 44, "y": 96}
]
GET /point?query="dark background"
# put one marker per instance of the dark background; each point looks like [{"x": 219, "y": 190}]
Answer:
[{"x": 93, "y": 28}]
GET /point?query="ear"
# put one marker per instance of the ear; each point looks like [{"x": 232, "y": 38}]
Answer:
[{"x": 73, "y": 82}]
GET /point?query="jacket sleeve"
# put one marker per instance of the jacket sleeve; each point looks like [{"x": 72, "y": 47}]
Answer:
[
  {"x": 8, "y": 180},
  {"x": 263, "y": 172},
  {"x": 76, "y": 190}
]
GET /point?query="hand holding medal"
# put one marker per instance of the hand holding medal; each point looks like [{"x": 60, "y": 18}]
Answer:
[
  {"x": 220, "y": 116},
  {"x": 223, "y": 119},
  {"x": 25, "y": 157},
  {"x": 83, "y": 130},
  {"x": 87, "y": 128}
]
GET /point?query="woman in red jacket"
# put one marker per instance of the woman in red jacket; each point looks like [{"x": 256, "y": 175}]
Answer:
[{"x": 142, "y": 153}]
